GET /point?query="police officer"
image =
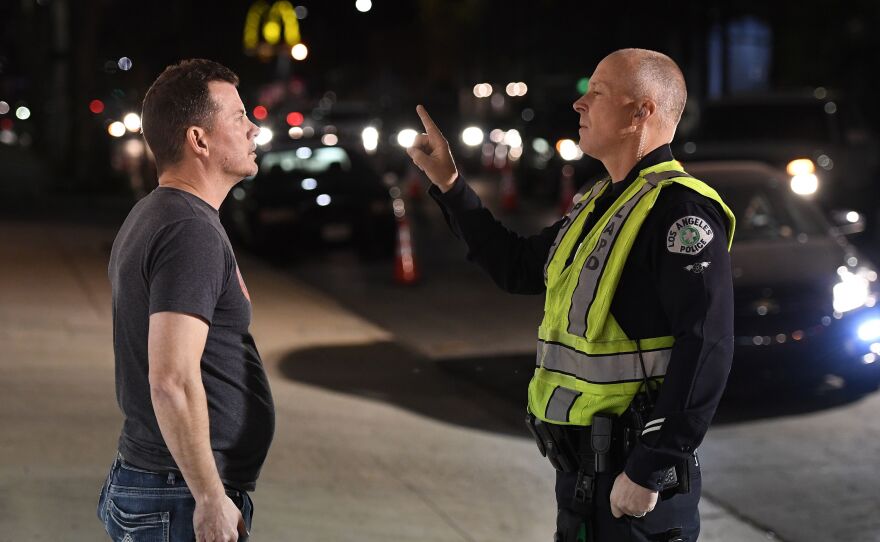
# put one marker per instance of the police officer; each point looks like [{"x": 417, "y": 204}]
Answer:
[{"x": 639, "y": 307}]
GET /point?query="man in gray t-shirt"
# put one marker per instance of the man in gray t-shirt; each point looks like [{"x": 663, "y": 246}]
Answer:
[{"x": 198, "y": 411}]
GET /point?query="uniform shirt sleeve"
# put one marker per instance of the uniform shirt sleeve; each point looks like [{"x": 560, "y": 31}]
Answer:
[
  {"x": 514, "y": 262},
  {"x": 696, "y": 291},
  {"x": 187, "y": 269}
]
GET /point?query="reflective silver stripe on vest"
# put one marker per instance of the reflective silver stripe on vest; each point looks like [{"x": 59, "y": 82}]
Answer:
[
  {"x": 602, "y": 369},
  {"x": 656, "y": 177},
  {"x": 560, "y": 403},
  {"x": 588, "y": 281},
  {"x": 569, "y": 220}
]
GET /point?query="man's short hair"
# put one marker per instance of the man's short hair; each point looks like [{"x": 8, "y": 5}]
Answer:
[
  {"x": 177, "y": 99},
  {"x": 658, "y": 77}
]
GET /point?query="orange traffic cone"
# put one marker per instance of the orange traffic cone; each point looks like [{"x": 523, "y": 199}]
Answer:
[
  {"x": 405, "y": 270},
  {"x": 509, "y": 192},
  {"x": 566, "y": 189}
]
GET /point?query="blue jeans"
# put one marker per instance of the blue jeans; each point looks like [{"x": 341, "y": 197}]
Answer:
[{"x": 138, "y": 505}]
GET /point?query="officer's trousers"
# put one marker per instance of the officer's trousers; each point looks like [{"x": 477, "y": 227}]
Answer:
[{"x": 674, "y": 519}]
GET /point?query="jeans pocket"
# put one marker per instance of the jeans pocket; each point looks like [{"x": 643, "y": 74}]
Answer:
[{"x": 125, "y": 526}]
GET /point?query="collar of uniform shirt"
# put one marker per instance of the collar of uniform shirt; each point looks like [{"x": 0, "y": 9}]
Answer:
[{"x": 663, "y": 153}]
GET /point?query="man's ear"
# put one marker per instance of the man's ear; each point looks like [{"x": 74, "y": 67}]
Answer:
[
  {"x": 196, "y": 140},
  {"x": 644, "y": 111}
]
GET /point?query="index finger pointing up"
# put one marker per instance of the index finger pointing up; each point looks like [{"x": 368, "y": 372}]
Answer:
[{"x": 430, "y": 128}]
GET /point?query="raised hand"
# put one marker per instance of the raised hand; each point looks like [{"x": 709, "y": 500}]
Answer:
[{"x": 430, "y": 153}]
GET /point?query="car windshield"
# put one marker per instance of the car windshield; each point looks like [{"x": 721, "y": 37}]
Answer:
[
  {"x": 763, "y": 122},
  {"x": 766, "y": 209},
  {"x": 305, "y": 160}
]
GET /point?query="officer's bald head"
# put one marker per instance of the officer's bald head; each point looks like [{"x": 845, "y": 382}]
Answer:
[{"x": 654, "y": 76}]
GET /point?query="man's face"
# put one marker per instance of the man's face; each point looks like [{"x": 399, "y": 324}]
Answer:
[
  {"x": 232, "y": 136},
  {"x": 606, "y": 110}
]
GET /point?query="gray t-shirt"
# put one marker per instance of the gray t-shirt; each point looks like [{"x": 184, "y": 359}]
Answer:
[{"x": 172, "y": 254}]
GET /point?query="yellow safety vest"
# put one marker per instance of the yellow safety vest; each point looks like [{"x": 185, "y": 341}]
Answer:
[{"x": 586, "y": 363}]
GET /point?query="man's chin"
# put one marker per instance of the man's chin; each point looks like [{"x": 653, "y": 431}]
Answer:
[{"x": 585, "y": 148}]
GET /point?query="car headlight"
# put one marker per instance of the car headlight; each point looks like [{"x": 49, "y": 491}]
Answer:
[
  {"x": 870, "y": 330},
  {"x": 803, "y": 176},
  {"x": 854, "y": 289}
]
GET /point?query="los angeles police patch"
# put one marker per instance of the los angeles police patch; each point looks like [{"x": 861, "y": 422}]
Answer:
[{"x": 689, "y": 235}]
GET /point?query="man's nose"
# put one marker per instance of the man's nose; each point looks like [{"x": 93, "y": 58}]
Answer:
[{"x": 580, "y": 104}]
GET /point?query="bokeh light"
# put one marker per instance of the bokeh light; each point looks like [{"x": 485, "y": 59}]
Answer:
[
  {"x": 583, "y": 85},
  {"x": 96, "y": 106},
  {"x": 124, "y": 63},
  {"x": 132, "y": 122},
  {"x": 472, "y": 136},
  {"x": 363, "y": 5},
  {"x": 23, "y": 113},
  {"x": 370, "y": 138},
  {"x": 406, "y": 137},
  {"x": 299, "y": 51},
  {"x": 295, "y": 118},
  {"x": 116, "y": 129},
  {"x": 260, "y": 112},
  {"x": 264, "y": 136}
]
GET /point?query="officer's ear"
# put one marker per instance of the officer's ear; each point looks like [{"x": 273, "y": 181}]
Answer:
[{"x": 643, "y": 112}]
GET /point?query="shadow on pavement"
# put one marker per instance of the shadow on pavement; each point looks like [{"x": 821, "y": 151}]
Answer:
[
  {"x": 490, "y": 393},
  {"x": 486, "y": 393}
]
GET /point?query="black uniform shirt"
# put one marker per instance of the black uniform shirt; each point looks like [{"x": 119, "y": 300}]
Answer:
[{"x": 662, "y": 292}]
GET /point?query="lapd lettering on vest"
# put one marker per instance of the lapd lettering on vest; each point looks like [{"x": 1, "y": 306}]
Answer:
[
  {"x": 593, "y": 261},
  {"x": 689, "y": 235}
]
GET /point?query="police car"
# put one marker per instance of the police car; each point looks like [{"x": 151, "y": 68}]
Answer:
[{"x": 806, "y": 300}]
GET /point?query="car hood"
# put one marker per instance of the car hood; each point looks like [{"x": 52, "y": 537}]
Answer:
[
  {"x": 787, "y": 262},
  {"x": 777, "y": 153}
]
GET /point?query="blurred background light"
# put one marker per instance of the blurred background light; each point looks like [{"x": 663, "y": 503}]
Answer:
[
  {"x": 516, "y": 89},
  {"x": 116, "y": 129},
  {"x": 260, "y": 112},
  {"x": 124, "y": 63},
  {"x": 869, "y": 330},
  {"x": 482, "y": 90},
  {"x": 512, "y": 138},
  {"x": 800, "y": 166},
  {"x": 4, "y": 108},
  {"x": 295, "y": 118},
  {"x": 851, "y": 292},
  {"x": 370, "y": 138},
  {"x": 133, "y": 148},
  {"x": 804, "y": 184},
  {"x": 406, "y": 137},
  {"x": 472, "y": 136},
  {"x": 304, "y": 153},
  {"x": 132, "y": 122},
  {"x": 363, "y": 5},
  {"x": 301, "y": 12},
  {"x": 295, "y": 132},
  {"x": 323, "y": 200},
  {"x": 568, "y": 149},
  {"x": 264, "y": 136},
  {"x": 96, "y": 106},
  {"x": 23, "y": 113},
  {"x": 309, "y": 184},
  {"x": 583, "y": 85},
  {"x": 329, "y": 139},
  {"x": 299, "y": 51}
]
